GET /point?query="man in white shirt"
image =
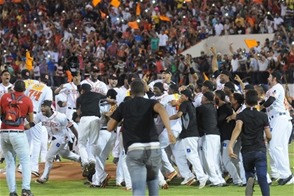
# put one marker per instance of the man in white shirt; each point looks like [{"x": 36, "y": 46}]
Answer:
[{"x": 96, "y": 85}]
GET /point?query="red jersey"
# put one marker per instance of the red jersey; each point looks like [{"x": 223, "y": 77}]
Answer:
[{"x": 26, "y": 106}]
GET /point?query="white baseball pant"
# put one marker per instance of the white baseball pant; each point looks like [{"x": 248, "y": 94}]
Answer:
[
  {"x": 57, "y": 146},
  {"x": 88, "y": 130},
  {"x": 281, "y": 128},
  {"x": 211, "y": 150}
]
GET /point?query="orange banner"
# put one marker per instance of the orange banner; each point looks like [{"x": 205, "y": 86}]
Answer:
[
  {"x": 250, "y": 43},
  {"x": 133, "y": 25},
  {"x": 95, "y": 2},
  {"x": 115, "y": 3},
  {"x": 138, "y": 9},
  {"x": 2, "y": 2},
  {"x": 164, "y": 18}
]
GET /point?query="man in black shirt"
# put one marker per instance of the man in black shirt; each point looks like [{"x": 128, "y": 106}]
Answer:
[
  {"x": 189, "y": 136},
  {"x": 140, "y": 138},
  {"x": 207, "y": 123},
  {"x": 226, "y": 128},
  {"x": 253, "y": 125},
  {"x": 88, "y": 109}
]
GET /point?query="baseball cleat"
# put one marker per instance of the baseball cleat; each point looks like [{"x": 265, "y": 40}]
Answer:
[
  {"x": 171, "y": 176},
  {"x": 85, "y": 172},
  {"x": 13, "y": 194},
  {"x": 36, "y": 174},
  {"x": 105, "y": 181},
  {"x": 202, "y": 183},
  {"x": 285, "y": 180},
  {"x": 25, "y": 192},
  {"x": 185, "y": 181},
  {"x": 41, "y": 181},
  {"x": 165, "y": 186},
  {"x": 91, "y": 168}
]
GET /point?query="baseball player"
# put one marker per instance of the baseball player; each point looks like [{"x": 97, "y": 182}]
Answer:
[
  {"x": 105, "y": 141},
  {"x": 38, "y": 92},
  {"x": 281, "y": 128},
  {"x": 71, "y": 93},
  {"x": 170, "y": 102},
  {"x": 189, "y": 135},
  {"x": 5, "y": 87},
  {"x": 96, "y": 85},
  {"x": 56, "y": 124}
]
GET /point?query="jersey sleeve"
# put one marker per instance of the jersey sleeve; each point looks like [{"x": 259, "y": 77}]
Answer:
[
  {"x": 49, "y": 94},
  {"x": 117, "y": 115},
  {"x": 38, "y": 118}
]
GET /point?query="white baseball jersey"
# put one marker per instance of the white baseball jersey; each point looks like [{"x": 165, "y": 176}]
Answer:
[
  {"x": 38, "y": 93},
  {"x": 63, "y": 98},
  {"x": 4, "y": 89},
  {"x": 30, "y": 82},
  {"x": 71, "y": 92},
  {"x": 98, "y": 86},
  {"x": 278, "y": 105},
  {"x": 56, "y": 124}
]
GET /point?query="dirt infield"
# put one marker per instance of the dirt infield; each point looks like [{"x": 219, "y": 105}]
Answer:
[{"x": 67, "y": 171}]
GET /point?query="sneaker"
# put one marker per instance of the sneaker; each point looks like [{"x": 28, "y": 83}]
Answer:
[
  {"x": 171, "y": 176},
  {"x": 249, "y": 187},
  {"x": 13, "y": 194},
  {"x": 92, "y": 168},
  {"x": 36, "y": 174},
  {"x": 105, "y": 181},
  {"x": 188, "y": 180},
  {"x": 25, "y": 192},
  {"x": 41, "y": 181},
  {"x": 285, "y": 180},
  {"x": 202, "y": 183}
]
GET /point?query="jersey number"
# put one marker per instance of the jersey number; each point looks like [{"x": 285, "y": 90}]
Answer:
[{"x": 35, "y": 94}]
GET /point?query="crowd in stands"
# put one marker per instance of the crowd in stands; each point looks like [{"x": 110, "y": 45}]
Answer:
[{"x": 51, "y": 36}]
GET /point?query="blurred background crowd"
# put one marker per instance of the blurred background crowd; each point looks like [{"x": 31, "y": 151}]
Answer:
[{"x": 142, "y": 36}]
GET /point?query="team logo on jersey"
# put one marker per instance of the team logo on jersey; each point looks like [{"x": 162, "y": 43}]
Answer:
[
  {"x": 188, "y": 150},
  {"x": 38, "y": 87},
  {"x": 58, "y": 145}
]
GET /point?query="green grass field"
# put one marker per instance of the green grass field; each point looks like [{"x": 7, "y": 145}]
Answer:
[{"x": 76, "y": 188}]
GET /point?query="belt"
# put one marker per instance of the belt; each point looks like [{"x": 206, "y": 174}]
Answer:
[
  {"x": 103, "y": 129},
  {"x": 35, "y": 112},
  {"x": 279, "y": 114},
  {"x": 12, "y": 131},
  {"x": 72, "y": 108}
]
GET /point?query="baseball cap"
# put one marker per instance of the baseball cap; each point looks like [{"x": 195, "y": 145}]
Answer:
[
  {"x": 168, "y": 71},
  {"x": 159, "y": 85},
  {"x": 95, "y": 69},
  {"x": 25, "y": 74},
  {"x": 86, "y": 87},
  {"x": 249, "y": 87},
  {"x": 47, "y": 103},
  {"x": 209, "y": 95},
  {"x": 187, "y": 93},
  {"x": 227, "y": 73},
  {"x": 113, "y": 77},
  {"x": 208, "y": 84}
]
